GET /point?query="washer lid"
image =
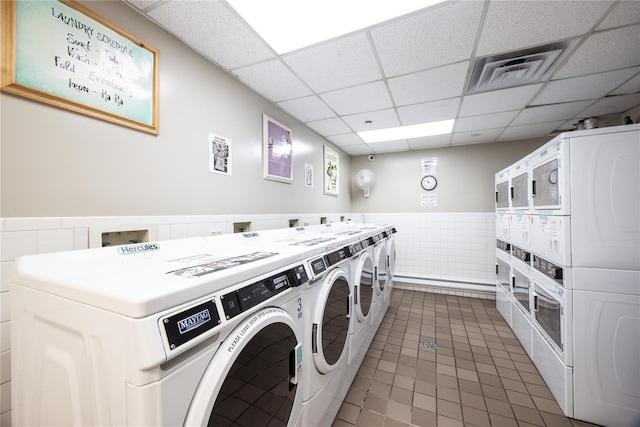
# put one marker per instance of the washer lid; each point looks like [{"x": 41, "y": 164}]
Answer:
[{"x": 143, "y": 279}]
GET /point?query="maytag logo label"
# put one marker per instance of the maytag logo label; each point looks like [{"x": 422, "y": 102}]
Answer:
[
  {"x": 136, "y": 249},
  {"x": 192, "y": 322}
]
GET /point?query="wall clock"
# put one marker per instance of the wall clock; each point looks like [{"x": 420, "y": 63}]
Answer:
[{"x": 429, "y": 182}]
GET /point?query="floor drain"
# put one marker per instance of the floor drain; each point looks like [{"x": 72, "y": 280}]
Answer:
[{"x": 431, "y": 345}]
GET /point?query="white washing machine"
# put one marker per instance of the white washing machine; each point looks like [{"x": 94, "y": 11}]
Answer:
[
  {"x": 391, "y": 260},
  {"x": 327, "y": 332},
  {"x": 182, "y": 332},
  {"x": 381, "y": 295},
  {"x": 362, "y": 279}
]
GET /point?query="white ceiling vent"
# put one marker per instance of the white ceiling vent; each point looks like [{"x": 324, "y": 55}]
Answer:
[{"x": 518, "y": 68}]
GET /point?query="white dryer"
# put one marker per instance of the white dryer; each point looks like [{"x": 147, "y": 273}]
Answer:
[
  {"x": 182, "y": 332},
  {"x": 381, "y": 295},
  {"x": 327, "y": 330},
  {"x": 362, "y": 279}
]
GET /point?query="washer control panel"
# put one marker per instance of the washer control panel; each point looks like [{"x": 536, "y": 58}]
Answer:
[{"x": 251, "y": 295}]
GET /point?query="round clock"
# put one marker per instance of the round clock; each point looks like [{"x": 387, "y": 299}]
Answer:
[{"x": 429, "y": 182}]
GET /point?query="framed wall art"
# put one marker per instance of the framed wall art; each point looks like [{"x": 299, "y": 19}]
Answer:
[
  {"x": 331, "y": 172},
  {"x": 219, "y": 154},
  {"x": 277, "y": 150},
  {"x": 63, "y": 54}
]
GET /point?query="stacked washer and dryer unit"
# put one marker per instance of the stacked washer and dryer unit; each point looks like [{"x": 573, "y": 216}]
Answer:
[
  {"x": 568, "y": 268},
  {"x": 251, "y": 329}
]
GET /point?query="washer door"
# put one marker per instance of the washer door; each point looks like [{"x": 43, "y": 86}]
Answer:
[
  {"x": 363, "y": 289},
  {"x": 391, "y": 257},
  {"x": 381, "y": 268},
  {"x": 250, "y": 379},
  {"x": 330, "y": 327}
]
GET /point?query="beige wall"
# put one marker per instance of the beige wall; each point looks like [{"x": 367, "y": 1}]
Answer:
[
  {"x": 465, "y": 177},
  {"x": 58, "y": 163}
]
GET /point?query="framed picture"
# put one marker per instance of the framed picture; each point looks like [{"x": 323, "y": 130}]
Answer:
[
  {"x": 277, "y": 148},
  {"x": 219, "y": 154},
  {"x": 308, "y": 175},
  {"x": 63, "y": 54},
  {"x": 331, "y": 172}
]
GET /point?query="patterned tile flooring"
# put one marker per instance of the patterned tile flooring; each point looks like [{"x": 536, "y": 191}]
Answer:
[{"x": 479, "y": 374}]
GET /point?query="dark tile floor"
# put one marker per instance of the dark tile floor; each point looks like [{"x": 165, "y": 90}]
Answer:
[{"x": 479, "y": 374}]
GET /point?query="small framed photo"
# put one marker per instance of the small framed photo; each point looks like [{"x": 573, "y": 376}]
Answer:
[
  {"x": 331, "y": 172},
  {"x": 277, "y": 151},
  {"x": 308, "y": 175},
  {"x": 219, "y": 154}
]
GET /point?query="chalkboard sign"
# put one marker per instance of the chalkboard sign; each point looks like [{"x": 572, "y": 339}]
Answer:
[{"x": 62, "y": 54}]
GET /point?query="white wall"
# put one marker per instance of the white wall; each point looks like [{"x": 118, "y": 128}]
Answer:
[
  {"x": 465, "y": 177},
  {"x": 58, "y": 163}
]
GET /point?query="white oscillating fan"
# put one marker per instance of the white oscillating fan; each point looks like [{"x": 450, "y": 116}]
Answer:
[{"x": 365, "y": 178}]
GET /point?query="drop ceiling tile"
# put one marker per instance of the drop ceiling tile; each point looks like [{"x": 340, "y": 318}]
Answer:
[
  {"x": 327, "y": 127},
  {"x": 496, "y": 101},
  {"x": 438, "y": 83},
  {"x": 358, "y": 150},
  {"x": 609, "y": 50},
  {"x": 379, "y": 120},
  {"x": 485, "y": 121},
  {"x": 612, "y": 104},
  {"x": 584, "y": 87},
  {"x": 530, "y": 131},
  {"x": 142, "y": 4},
  {"x": 337, "y": 64},
  {"x": 210, "y": 28},
  {"x": 430, "y": 142},
  {"x": 358, "y": 99},
  {"x": 443, "y": 109},
  {"x": 307, "y": 109},
  {"x": 476, "y": 137},
  {"x": 511, "y": 25},
  {"x": 548, "y": 113},
  {"x": 273, "y": 80},
  {"x": 625, "y": 12},
  {"x": 428, "y": 39},
  {"x": 632, "y": 86},
  {"x": 389, "y": 146},
  {"x": 346, "y": 139}
]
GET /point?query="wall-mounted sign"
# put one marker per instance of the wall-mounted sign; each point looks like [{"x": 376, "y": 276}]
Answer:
[
  {"x": 429, "y": 165},
  {"x": 308, "y": 175},
  {"x": 62, "y": 54}
]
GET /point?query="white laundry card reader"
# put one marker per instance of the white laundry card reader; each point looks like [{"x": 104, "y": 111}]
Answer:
[
  {"x": 295, "y": 365},
  {"x": 251, "y": 295}
]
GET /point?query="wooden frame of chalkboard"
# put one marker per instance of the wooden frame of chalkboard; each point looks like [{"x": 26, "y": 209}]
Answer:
[{"x": 62, "y": 54}]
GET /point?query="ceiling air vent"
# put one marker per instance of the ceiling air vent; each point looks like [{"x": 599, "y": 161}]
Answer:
[{"x": 518, "y": 68}]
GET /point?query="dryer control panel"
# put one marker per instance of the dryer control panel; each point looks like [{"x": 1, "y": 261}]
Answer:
[{"x": 251, "y": 295}]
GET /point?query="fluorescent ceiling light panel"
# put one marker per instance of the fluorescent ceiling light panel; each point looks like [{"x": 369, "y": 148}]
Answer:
[
  {"x": 287, "y": 25},
  {"x": 407, "y": 132}
]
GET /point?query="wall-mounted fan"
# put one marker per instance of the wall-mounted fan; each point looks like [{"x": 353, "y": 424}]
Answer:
[{"x": 365, "y": 178}]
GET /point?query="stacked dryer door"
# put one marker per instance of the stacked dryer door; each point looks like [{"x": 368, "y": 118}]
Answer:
[
  {"x": 169, "y": 333},
  {"x": 327, "y": 333}
]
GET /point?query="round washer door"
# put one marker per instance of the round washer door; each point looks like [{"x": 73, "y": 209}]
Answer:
[
  {"x": 381, "y": 267},
  {"x": 330, "y": 328},
  {"x": 363, "y": 286},
  {"x": 249, "y": 380},
  {"x": 391, "y": 256}
]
